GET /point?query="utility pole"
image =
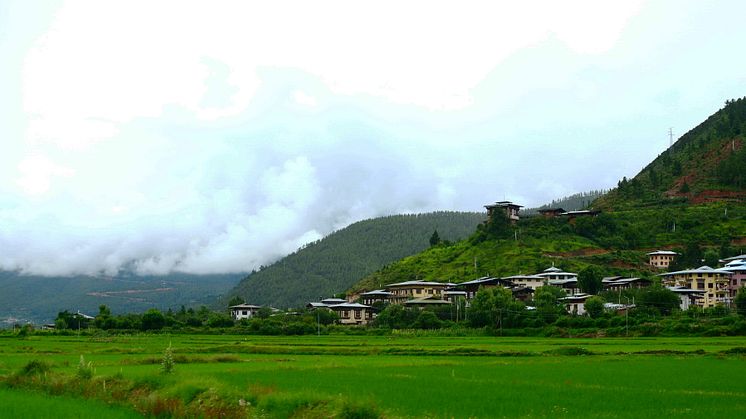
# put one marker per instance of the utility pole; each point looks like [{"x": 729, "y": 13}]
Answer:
[{"x": 670, "y": 137}]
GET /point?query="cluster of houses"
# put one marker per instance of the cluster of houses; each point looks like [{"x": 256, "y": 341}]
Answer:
[{"x": 704, "y": 286}]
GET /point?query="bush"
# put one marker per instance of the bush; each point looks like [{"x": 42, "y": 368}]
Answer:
[
  {"x": 167, "y": 365},
  {"x": 35, "y": 367},
  {"x": 85, "y": 370}
]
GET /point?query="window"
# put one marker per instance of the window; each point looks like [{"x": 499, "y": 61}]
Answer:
[
  {"x": 358, "y": 314},
  {"x": 345, "y": 315}
]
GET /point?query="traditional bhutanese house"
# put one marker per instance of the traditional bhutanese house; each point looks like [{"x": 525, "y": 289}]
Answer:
[
  {"x": 531, "y": 281},
  {"x": 688, "y": 297},
  {"x": 618, "y": 308},
  {"x": 737, "y": 280},
  {"x": 572, "y": 215},
  {"x": 353, "y": 313},
  {"x": 522, "y": 293},
  {"x": 426, "y": 302},
  {"x": 713, "y": 282},
  {"x": 471, "y": 287},
  {"x": 375, "y": 296},
  {"x": 510, "y": 209},
  {"x": 243, "y": 311},
  {"x": 570, "y": 286},
  {"x": 326, "y": 303},
  {"x": 408, "y": 290},
  {"x": 575, "y": 304},
  {"x": 661, "y": 259},
  {"x": 454, "y": 295},
  {"x": 556, "y": 273},
  {"x": 333, "y": 301},
  {"x": 616, "y": 283},
  {"x": 551, "y": 212}
]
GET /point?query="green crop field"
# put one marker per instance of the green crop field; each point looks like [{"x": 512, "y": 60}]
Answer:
[{"x": 374, "y": 376}]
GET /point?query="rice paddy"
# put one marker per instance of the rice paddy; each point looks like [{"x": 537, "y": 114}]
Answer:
[{"x": 388, "y": 376}]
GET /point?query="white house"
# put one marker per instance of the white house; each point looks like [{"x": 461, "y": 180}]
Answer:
[{"x": 243, "y": 311}]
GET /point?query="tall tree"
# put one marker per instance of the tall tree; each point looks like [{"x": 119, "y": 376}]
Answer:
[
  {"x": 434, "y": 239},
  {"x": 589, "y": 280}
]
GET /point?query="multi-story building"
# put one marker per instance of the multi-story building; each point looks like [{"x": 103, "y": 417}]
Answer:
[
  {"x": 408, "y": 290},
  {"x": 530, "y": 281},
  {"x": 243, "y": 311},
  {"x": 510, "y": 209},
  {"x": 714, "y": 283},
  {"x": 661, "y": 259},
  {"x": 737, "y": 280}
]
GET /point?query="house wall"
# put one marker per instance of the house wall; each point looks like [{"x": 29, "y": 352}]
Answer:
[
  {"x": 241, "y": 314},
  {"x": 715, "y": 286},
  {"x": 354, "y": 316},
  {"x": 737, "y": 280},
  {"x": 661, "y": 261}
]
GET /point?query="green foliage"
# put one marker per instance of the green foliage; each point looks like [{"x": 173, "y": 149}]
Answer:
[
  {"x": 167, "y": 365},
  {"x": 35, "y": 367},
  {"x": 488, "y": 306},
  {"x": 740, "y": 301},
  {"x": 234, "y": 301},
  {"x": 85, "y": 369},
  {"x": 219, "y": 320},
  {"x": 594, "y": 306},
  {"x": 427, "y": 320},
  {"x": 434, "y": 239},
  {"x": 153, "y": 319},
  {"x": 659, "y": 299},
  {"x": 336, "y": 262},
  {"x": 589, "y": 279},
  {"x": 396, "y": 316}
]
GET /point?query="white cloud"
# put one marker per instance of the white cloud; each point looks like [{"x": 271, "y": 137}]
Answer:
[{"x": 181, "y": 136}]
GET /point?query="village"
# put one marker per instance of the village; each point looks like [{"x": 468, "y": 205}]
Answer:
[{"x": 703, "y": 286}]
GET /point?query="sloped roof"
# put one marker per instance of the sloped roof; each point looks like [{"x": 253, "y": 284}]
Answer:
[
  {"x": 702, "y": 269},
  {"x": 663, "y": 252}
]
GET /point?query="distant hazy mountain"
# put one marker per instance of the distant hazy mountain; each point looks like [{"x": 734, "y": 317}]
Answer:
[
  {"x": 333, "y": 264},
  {"x": 38, "y": 299}
]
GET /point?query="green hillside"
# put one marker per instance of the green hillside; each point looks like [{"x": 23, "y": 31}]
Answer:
[
  {"x": 706, "y": 164},
  {"x": 690, "y": 198},
  {"x": 338, "y": 261}
]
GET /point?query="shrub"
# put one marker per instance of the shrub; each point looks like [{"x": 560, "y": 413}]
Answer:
[
  {"x": 85, "y": 370},
  {"x": 35, "y": 367},
  {"x": 167, "y": 366}
]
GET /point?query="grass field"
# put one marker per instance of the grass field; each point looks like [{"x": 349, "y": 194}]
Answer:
[{"x": 389, "y": 376}]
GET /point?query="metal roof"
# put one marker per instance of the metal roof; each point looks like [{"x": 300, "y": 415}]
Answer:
[
  {"x": 409, "y": 283},
  {"x": 663, "y": 252},
  {"x": 702, "y": 269}
]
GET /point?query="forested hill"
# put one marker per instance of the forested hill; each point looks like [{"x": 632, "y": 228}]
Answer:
[
  {"x": 706, "y": 164},
  {"x": 334, "y": 263}
]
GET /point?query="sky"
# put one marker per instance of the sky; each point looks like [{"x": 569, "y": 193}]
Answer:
[{"x": 215, "y": 137}]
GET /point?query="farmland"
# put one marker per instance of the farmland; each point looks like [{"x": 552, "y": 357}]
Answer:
[{"x": 365, "y": 376}]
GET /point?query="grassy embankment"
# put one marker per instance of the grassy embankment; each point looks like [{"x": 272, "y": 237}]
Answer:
[{"x": 392, "y": 376}]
